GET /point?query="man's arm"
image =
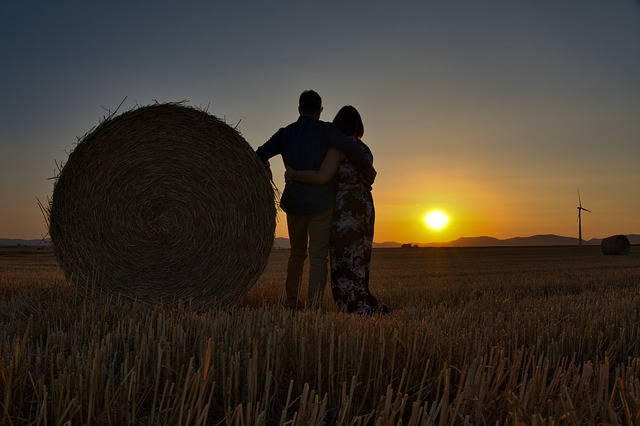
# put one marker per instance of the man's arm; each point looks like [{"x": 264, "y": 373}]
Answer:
[
  {"x": 270, "y": 148},
  {"x": 370, "y": 175},
  {"x": 326, "y": 172}
]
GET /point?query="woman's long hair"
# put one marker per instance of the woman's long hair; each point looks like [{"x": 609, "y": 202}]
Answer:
[{"x": 348, "y": 120}]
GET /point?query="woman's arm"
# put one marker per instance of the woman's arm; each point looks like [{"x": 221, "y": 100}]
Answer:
[{"x": 328, "y": 168}]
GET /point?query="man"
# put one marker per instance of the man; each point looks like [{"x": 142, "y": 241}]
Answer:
[{"x": 309, "y": 208}]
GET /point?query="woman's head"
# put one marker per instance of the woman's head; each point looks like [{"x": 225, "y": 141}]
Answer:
[{"x": 348, "y": 120}]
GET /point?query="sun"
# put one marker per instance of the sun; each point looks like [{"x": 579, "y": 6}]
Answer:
[{"x": 436, "y": 220}]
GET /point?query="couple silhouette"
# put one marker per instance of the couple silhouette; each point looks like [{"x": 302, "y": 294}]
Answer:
[{"x": 328, "y": 204}]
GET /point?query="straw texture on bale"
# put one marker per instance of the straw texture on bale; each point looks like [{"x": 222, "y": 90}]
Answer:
[
  {"x": 617, "y": 244},
  {"x": 163, "y": 202}
]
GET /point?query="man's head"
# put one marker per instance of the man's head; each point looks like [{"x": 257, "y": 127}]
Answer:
[{"x": 310, "y": 103}]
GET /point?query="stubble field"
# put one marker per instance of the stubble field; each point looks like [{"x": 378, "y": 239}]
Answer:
[{"x": 545, "y": 335}]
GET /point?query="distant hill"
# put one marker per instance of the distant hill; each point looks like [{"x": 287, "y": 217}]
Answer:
[
  {"x": 535, "y": 240},
  {"x": 8, "y": 242},
  {"x": 281, "y": 243},
  {"x": 386, "y": 244}
]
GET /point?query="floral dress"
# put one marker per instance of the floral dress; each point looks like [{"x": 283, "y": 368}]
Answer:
[{"x": 352, "y": 240}]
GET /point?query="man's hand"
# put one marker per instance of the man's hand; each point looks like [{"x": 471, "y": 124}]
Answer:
[
  {"x": 288, "y": 173},
  {"x": 370, "y": 175}
]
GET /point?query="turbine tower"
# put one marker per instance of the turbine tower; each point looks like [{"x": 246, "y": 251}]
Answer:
[{"x": 580, "y": 208}]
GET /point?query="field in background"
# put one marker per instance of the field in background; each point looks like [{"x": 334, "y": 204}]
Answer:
[{"x": 545, "y": 335}]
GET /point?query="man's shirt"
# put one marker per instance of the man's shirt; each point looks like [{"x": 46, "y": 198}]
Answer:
[{"x": 303, "y": 145}]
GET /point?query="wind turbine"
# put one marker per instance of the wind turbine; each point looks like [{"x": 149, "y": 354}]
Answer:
[{"x": 580, "y": 208}]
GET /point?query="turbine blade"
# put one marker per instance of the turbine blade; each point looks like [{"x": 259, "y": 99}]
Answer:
[
  {"x": 586, "y": 210},
  {"x": 579, "y": 200}
]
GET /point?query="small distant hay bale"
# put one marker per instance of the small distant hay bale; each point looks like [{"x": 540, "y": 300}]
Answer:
[
  {"x": 617, "y": 244},
  {"x": 163, "y": 202}
]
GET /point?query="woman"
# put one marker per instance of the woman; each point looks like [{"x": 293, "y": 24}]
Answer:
[{"x": 353, "y": 220}]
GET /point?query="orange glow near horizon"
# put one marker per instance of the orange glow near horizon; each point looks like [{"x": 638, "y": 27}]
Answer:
[
  {"x": 473, "y": 210},
  {"x": 478, "y": 204}
]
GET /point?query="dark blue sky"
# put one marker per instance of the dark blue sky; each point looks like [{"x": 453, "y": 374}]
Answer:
[{"x": 493, "y": 111}]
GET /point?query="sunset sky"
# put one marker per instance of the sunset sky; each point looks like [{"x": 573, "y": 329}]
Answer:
[{"x": 495, "y": 112}]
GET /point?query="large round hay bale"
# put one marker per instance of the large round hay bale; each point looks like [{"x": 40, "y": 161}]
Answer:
[
  {"x": 163, "y": 202},
  {"x": 617, "y": 244}
]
